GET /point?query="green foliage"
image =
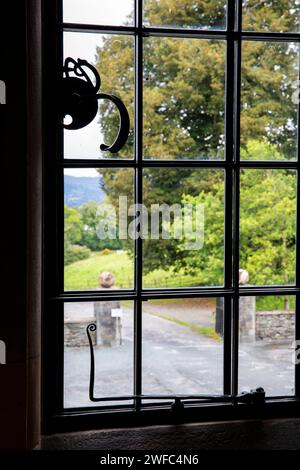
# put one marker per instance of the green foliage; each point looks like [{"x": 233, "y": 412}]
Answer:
[
  {"x": 73, "y": 253},
  {"x": 260, "y": 150},
  {"x": 184, "y": 98},
  {"x": 183, "y": 13},
  {"x": 267, "y": 226},
  {"x": 115, "y": 65},
  {"x": 271, "y": 302},
  {"x": 73, "y": 225},
  {"x": 73, "y": 228},
  {"x": 264, "y": 15},
  {"x": 184, "y": 81},
  {"x": 87, "y": 213},
  {"x": 268, "y": 73},
  {"x": 80, "y": 225},
  {"x": 184, "y": 118},
  {"x": 90, "y": 217},
  {"x": 84, "y": 274},
  {"x": 183, "y": 95},
  {"x": 208, "y": 262}
]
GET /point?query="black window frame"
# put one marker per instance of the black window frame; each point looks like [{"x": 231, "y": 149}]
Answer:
[{"x": 56, "y": 418}]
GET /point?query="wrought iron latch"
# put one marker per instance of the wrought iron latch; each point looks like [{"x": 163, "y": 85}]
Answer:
[
  {"x": 254, "y": 397},
  {"x": 79, "y": 99}
]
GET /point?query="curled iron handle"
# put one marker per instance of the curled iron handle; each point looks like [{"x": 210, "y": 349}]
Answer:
[
  {"x": 255, "y": 397},
  {"x": 77, "y": 67},
  {"x": 79, "y": 99},
  {"x": 90, "y": 328},
  {"x": 124, "y": 125}
]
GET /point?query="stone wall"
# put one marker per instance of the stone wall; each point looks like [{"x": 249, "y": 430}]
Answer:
[
  {"x": 275, "y": 326},
  {"x": 75, "y": 332}
]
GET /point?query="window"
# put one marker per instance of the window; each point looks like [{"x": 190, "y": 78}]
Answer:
[{"x": 181, "y": 247}]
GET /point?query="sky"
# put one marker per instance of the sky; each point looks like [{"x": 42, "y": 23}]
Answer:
[{"x": 84, "y": 143}]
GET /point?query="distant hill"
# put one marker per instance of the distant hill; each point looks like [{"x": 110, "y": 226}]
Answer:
[{"x": 79, "y": 190}]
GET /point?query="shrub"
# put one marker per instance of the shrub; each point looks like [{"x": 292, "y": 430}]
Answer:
[{"x": 75, "y": 253}]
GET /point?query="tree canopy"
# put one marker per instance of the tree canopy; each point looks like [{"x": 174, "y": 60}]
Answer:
[
  {"x": 267, "y": 226},
  {"x": 184, "y": 109}
]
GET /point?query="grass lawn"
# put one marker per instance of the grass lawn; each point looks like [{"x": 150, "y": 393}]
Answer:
[{"x": 84, "y": 274}]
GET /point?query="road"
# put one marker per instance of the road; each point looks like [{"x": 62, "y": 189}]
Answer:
[{"x": 176, "y": 360}]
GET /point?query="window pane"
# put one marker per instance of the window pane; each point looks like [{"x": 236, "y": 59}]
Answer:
[
  {"x": 95, "y": 203},
  {"x": 113, "y": 57},
  {"x": 185, "y": 13},
  {"x": 269, "y": 97},
  {"x": 268, "y": 226},
  {"x": 182, "y": 346},
  {"x": 113, "y": 349},
  {"x": 267, "y": 330},
  {"x": 102, "y": 12},
  {"x": 183, "y": 227},
  {"x": 184, "y": 83},
  {"x": 271, "y": 15}
]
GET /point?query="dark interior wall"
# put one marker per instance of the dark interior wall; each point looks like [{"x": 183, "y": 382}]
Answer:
[
  {"x": 13, "y": 217},
  {"x": 20, "y": 149},
  {"x": 34, "y": 219}
]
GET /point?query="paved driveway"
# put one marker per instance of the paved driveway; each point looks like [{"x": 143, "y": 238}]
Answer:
[{"x": 176, "y": 359}]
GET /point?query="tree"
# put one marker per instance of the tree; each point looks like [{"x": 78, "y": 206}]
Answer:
[
  {"x": 184, "y": 89},
  {"x": 269, "y": 71},
  {"x": 183, "y": 13},
  {"x": 90, "y": 218},
  {"x": 73, "y": 229},
  {"x": 208, "y": 262},
  {"x": 184, "y": 81},
  {"x": 267, "y": 226},
  {"x": 266, "y": 15},
  {"x": 73, "y": 226}
]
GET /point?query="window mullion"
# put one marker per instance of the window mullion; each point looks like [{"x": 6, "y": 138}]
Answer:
[
  {"x": 236, "y": 198},
  {"x": 138, "y": 198},
  {"x": 297, "y": 304},
  {"x": 228, "y": 235}
]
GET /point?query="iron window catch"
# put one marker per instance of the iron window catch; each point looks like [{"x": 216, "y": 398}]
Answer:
[
  {"x": 177, "y": 406},
  {"x": 255, "y": 397},
  {"x": 78, "y": 99}
]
